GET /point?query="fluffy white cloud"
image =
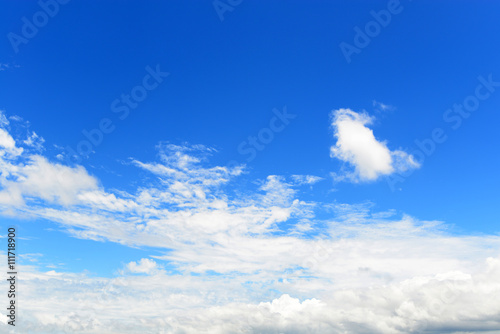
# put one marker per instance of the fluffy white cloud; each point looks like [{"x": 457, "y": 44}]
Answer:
[
  {"x": 30, "y": 177},
  {"x": 357, "y": 146},
  {"x": 144, "y": 266},
  {"x": 39, "y": 178},
  {"x": 8, "y": 145}
]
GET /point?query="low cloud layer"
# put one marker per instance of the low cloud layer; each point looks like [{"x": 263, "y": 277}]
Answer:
[{"x": 455, "y": 298}]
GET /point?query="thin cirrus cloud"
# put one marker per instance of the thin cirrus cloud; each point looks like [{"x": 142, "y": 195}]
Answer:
[{"x": 357, "y": 146}]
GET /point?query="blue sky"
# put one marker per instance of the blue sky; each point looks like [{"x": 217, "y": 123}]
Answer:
[{"x": 184, "y": 149}]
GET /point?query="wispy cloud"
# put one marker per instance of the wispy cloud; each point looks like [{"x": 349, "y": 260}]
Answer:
[
  {"x": 306, "y": 179},
  {"x": 6, "y": 66},
  {"x": 379, "y": 106},
  {"x": 34, "y": 141}
]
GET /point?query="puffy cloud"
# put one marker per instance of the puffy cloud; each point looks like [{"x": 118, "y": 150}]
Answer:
[
  {"x": 32, "y": 180},
  {"x": 144, "y": 266},
  {"x": 8, "y": 145},
  {"x": 32, "y": 177},
  {"x": 54, "y": 183},
  {"x": 357, "y": 146}
]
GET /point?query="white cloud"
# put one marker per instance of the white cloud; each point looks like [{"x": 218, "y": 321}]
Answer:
[
  {"x": 34, "y": 141},
  {"x": 32, "y": 257},
  {"x": 458, "y": 298},
  {"x": 247, "y": 261},
  {"x": 8, "y": 145},
  {"x": 42, "y": 179},
  {"x": 3, "y": 119},
  {"x": 99, "y": 199},
  {"x": 144, "y": 266},
  {"x": 379, "y": 106},
  {"x": 181, "y": 172},
  {"x": 306, "y": 179},
  {"x": 357, "y": 146},
  {"x": 16, "y": 118}
]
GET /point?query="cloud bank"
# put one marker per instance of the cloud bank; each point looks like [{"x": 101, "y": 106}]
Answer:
[{"x": 246, "y": 260}]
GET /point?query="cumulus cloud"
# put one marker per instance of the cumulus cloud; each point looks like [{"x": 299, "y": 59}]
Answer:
[
  {"x": 8, "y": 145},
  {"x": 357, "y": 146},
  {"x": 144, "y": 266},
  {"x": 42, "y": 179},
  {"x": 32, "y": 181}
]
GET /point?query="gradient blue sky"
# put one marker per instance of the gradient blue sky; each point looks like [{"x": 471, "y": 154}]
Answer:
[{"x": 225, "y": 79}]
